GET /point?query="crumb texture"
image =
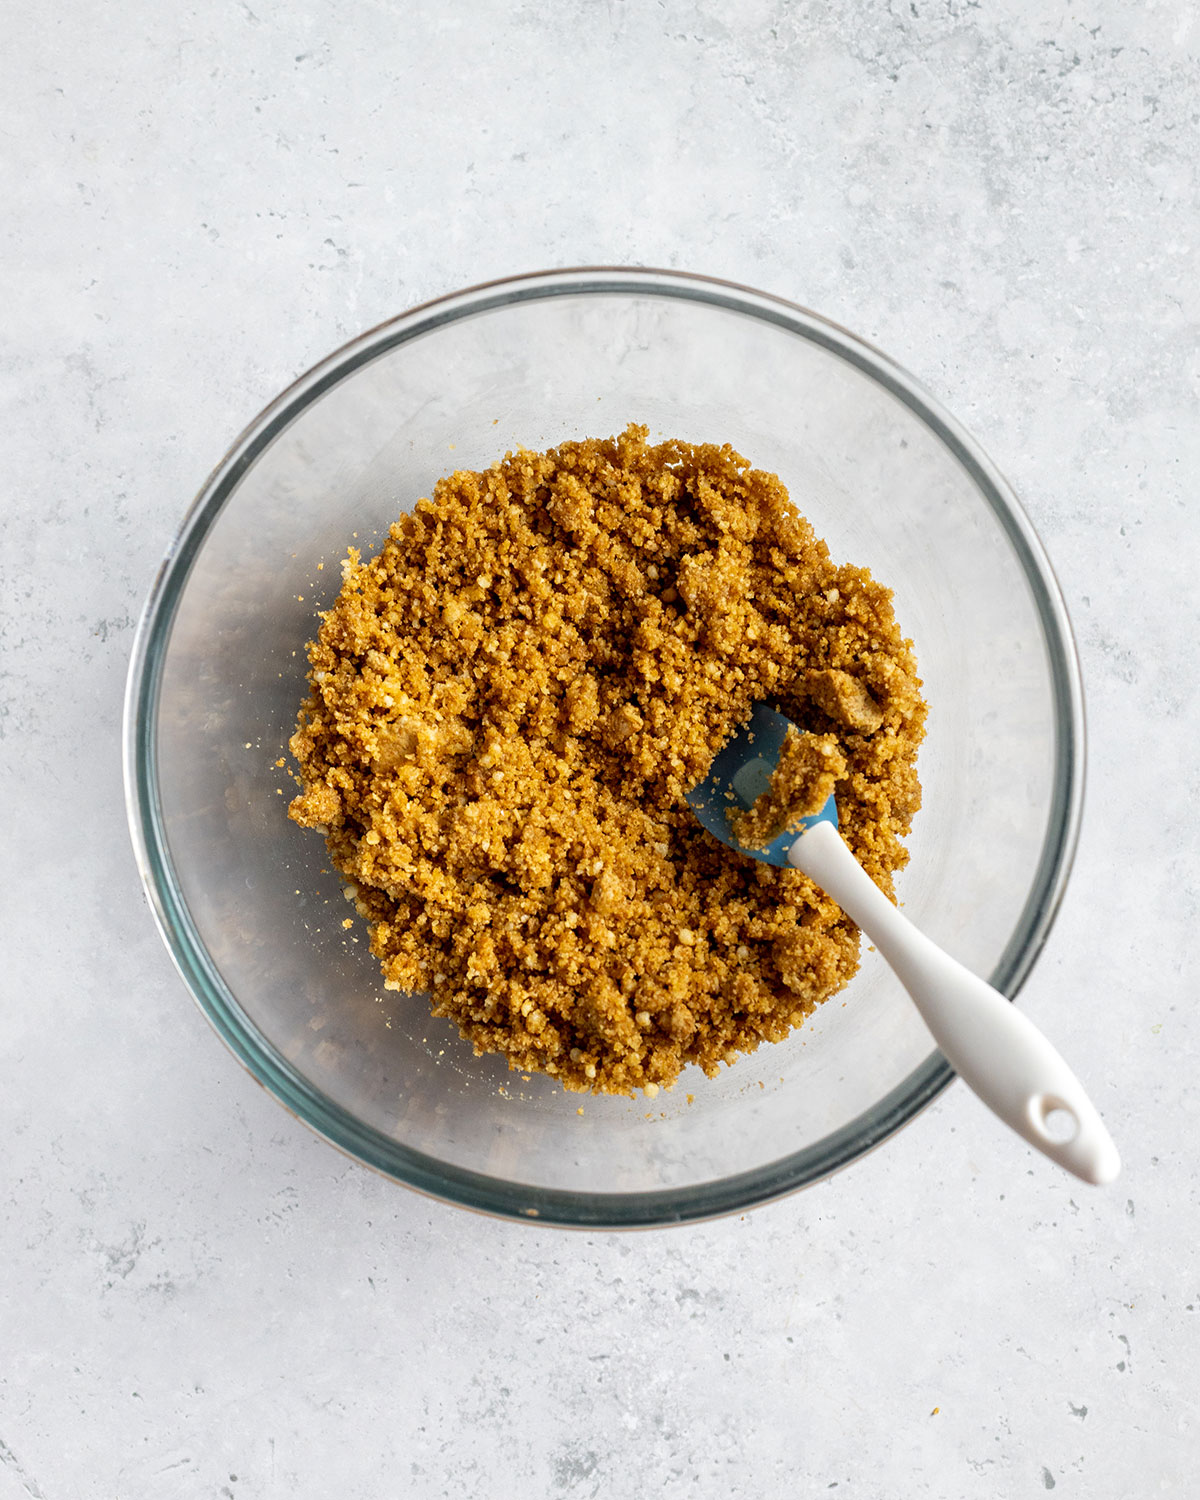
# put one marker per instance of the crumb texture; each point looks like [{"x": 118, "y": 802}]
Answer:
[
  {"x": 507, "y": 705},
  {"x": 805, "y": 777}
]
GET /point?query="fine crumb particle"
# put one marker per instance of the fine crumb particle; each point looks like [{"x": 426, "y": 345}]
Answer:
[
  {"x": 510, "y": 700},
  {"x": 804, "y": 779}
]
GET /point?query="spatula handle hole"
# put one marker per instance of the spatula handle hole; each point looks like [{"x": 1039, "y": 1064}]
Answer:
[{"x": 1057, "y": 1120}]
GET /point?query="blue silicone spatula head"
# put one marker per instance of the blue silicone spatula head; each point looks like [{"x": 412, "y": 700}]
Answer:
[{"x": 740, "y": 775}]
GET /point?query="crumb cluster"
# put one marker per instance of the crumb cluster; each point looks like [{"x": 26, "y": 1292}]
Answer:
[
  {"x": 507, "y": 705},
  {"x": 805, "y": 777}
]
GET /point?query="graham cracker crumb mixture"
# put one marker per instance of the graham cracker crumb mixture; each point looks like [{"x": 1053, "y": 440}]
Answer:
[
  {"x": 808, "y": 770},
  {"x": 507, "y": 706}
]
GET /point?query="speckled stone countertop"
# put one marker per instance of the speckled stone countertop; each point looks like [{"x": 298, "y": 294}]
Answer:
[{"x": 199, "y": 1298}]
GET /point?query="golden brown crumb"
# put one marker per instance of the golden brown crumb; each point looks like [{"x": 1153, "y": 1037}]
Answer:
[
  {"x": 809, "y": 767},
  {"x": 846, "y": 700},
  {"x": 507, "y": 706}
]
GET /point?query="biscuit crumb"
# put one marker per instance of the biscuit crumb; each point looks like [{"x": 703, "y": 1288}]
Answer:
[
  {"x": 507, "y": 705},
  {"x": 803, "y": 780},
  {"x": 844, "y": 698}
]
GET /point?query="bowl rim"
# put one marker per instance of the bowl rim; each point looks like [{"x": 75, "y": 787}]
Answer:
[{"x": 475, "y": 1190}]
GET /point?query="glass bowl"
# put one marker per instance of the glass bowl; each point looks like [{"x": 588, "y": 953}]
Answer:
[{"x": 248, "y": 907}]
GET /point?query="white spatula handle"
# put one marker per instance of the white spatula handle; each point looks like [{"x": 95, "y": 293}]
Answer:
[{"x": 990, "y": 1044}]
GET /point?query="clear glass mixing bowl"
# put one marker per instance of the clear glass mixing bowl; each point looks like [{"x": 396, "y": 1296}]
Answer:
[{"x": 246, "y": 903}]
